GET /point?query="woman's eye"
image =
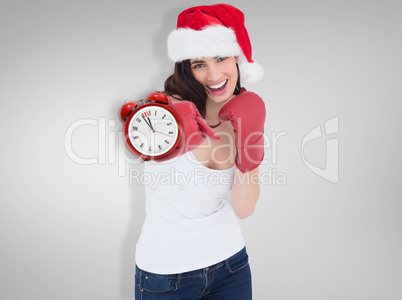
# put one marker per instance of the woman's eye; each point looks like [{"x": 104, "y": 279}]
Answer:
[
  {"x": 198, "y": 66},
  {"x": 221, "y": 58}
]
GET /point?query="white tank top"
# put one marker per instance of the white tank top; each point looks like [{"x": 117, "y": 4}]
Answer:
[{"x": 188, "y": 224}]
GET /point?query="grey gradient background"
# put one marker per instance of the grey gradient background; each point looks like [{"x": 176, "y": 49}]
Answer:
[{"x": 68, "y": 231}]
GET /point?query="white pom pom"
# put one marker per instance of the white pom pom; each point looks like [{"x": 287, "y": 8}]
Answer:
[{"x": 250, "y": 72}]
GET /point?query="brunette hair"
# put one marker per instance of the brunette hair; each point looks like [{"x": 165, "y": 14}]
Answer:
[{"x": 183, "y": 83}]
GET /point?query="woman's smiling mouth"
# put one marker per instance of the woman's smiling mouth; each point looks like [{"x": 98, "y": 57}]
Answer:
[{"x": 218, "y": 89}]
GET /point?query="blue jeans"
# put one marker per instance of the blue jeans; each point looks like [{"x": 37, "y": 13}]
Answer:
[{"x": 228, "y": 279}]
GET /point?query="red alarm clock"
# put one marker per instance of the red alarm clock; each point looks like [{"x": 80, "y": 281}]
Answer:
[{"x": 151, "y": 127}]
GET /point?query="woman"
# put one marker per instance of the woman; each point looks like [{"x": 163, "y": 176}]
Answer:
[{"x": 191, "y": 246}]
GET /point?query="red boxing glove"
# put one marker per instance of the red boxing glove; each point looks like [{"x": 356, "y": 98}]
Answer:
[
  {"x": 246, "y": 112},
  {"x": 193, "y": 126}
]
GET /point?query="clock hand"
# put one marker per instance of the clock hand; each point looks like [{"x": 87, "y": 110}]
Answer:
[
  {"x": 161, "y": 132},
  {"x": 152, "y": 127}
]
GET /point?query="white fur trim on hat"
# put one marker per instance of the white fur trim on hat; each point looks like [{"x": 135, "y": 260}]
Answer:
[
  {"x": 186, "y": 43},
  {"x": 250, "y": 72}
]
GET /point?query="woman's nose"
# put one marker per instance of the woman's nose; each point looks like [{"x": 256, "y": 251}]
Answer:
[{"x": 213, "y": 73}]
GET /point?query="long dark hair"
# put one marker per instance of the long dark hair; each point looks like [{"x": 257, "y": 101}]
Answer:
[{"x": 183, "y": 83}]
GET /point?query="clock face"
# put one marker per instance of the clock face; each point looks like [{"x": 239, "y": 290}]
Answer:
[{"x": 153, "y": 130}]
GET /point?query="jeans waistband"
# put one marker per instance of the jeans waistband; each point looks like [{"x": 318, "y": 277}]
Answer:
[{"x": 202, "y": 270}]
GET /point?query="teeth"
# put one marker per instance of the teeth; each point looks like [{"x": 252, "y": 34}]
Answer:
[{"x": 217, "y": 86}]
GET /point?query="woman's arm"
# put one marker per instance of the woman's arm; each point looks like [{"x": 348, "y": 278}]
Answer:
[{"x": 245, "y": 192}]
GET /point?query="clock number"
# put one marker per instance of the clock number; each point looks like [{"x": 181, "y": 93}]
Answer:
[
  {"x": 142, "y": 145},
  {"x": 146, "y": 114},
  {"x": 163, "y": 116},
  {"x": 149, "y": 149},
  {"x": 135, "y": 128},
  {"x": 138, "y": 120},
  {"x": 135, "y": 137},
  {"x": 166, "y": 141},
  {"x": 169, "y": 123},
  {"x": 156, "y": 112},
  {"x": 170, "y": 132},
  {"x": 159, "y": 146}
]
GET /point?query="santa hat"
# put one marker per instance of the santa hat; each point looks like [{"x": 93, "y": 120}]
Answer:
[{"x": 215, "y": 30}]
